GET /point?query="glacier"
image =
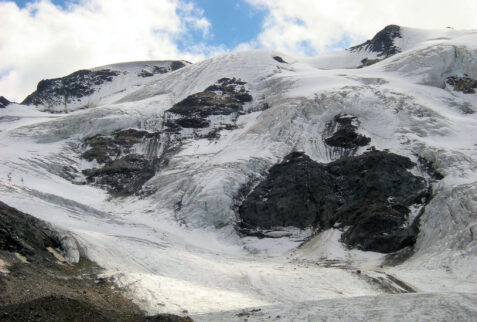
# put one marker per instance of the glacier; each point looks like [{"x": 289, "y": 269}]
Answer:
[{"x": 172, "y": 246}]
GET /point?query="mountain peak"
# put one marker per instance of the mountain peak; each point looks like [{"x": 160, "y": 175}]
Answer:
[
  {"x": 382, "y": 43},
  {"x": 92, "y": 87},
  {"x": 4, "y": 102}
]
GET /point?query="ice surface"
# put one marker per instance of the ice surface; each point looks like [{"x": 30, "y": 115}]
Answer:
[
  {"x": 175, "y": 248},
  {"x": 415, "y": 307}
]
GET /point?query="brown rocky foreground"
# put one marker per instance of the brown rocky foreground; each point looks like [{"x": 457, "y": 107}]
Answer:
[{"x": 38, "y": 284}]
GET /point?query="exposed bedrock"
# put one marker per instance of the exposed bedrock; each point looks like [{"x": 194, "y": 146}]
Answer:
[
  {"x": 24, "y": 234},
  {"x": 462, "y": 84},
  {"x": 124, "y": 176},
  {"x": 74, "y": 86},
  {"x": 382, "y": 43},
  {"x": 104, "y": 149},
  {"x": 341, "y": 134},
  {"x": 123, "y": 172},
  {"x": 4, "y": 102},
  {"x": 367, "y": 196},
  {"x": 175, "y": 65},
  {"x": 127, "y": 159},
  {"x": 226, "y": 97},
  {"x": 280, "y": 59}
]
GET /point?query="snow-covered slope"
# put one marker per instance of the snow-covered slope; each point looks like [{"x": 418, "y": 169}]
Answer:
[
  {"x": 97, "y": 86},
  {"x": 167, "y": 183},
  {"x": 409, "y": 307},
  {"x": 391, "y": 41}
]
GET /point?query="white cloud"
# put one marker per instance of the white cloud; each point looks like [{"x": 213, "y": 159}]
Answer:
[
  {"x": 301, "y": 26},
  {"x": 44, "y": 41}
]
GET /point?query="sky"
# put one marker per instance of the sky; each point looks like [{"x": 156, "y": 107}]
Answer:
[{"x": 42, "y": 39}]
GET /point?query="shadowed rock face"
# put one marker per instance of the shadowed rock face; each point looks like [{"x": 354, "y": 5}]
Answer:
[
  {"x": 279, "y": 59},
  {"x": 368, "y": 62},
  {"x": 224, "y": 98},
  {"x": 345, "y": 135},
  {"x": 63, "y": 91},
  {"x": 104, "y": 149},
  {"x": 382, "y": 43},
  {"x": 122, "y": 172},
  {"x": 24, "y": 234},
  {"x": 175, "y": 65},
  {"x": 3, "y": 102},
  {"x": 462, "y": 84},
  {"x": 124, "y": 176},
  {"x": 45, "y": 288},
  {"x": 74, "y": 86},
  {"x": 369, "y": 194}
]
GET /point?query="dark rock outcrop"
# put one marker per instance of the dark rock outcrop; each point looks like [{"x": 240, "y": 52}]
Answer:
[
  {"x": 368, "y": 196},
  {"x": 122, "y": 172},
  {"x": 368, "y": 62},
  {"x": 462, "y": 84},
  {"x": 345, "y": 135},
  {"x": 24, "y": 234},
  {"x": 279, "y": 59},
  {"x": 3, "y": 102},
  {"x": 429, "y": 168},
  {"x": 66, "y": 89},
  {"x": 104, "y": 149},
  {"x": 124, "y": 176},
  {"x": 382, "y": 43},
  {"x": 174, "y": 65},
  {"x": 226, "y": 97}
]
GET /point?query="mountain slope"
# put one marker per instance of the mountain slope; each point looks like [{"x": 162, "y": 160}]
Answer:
[
  {"x": 389, "y": 42},
  {"x": 167, "y": 184},
  {"x": 90, "y": 88}
]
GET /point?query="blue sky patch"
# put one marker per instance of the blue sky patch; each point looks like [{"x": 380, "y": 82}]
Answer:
[
  {"x": 232, "y": 22},
  {"x": 61, "y": 3}
]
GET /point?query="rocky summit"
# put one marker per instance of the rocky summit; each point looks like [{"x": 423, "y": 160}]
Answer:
[
  {"x": 382, "y": 43},
  {"x": 3, "y": 102},
  {"x": 250, "y": 186}
]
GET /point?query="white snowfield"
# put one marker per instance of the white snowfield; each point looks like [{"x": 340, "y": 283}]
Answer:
[{"x": 190, "y": 260}]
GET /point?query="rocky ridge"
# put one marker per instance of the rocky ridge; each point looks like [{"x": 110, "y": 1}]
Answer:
[
  {"x": 90, "y": 87},
  {"x": 3, "y": 102},
  {"x": 382, "y": 44},
  {"x": 67, "y": 89}
]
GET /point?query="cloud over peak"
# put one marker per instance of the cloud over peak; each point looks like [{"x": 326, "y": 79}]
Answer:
[
  {"x": 319, "y": 26},
  {"x": 43, "y": 40}
]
